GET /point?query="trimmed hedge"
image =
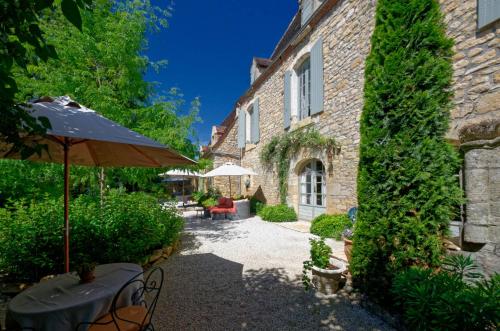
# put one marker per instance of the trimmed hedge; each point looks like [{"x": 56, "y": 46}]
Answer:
[
  {"x": 330, "y": 226},
  {"x": 126, "y": 228},
  {"x": 255, "y": 205},
  {"x": 408, "y": 190},
  {"x": 278, "y": 213}
]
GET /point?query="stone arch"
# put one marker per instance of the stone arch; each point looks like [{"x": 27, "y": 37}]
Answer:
[{"x": 297, "y": 163}]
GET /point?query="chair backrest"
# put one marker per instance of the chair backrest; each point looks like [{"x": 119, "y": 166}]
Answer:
[
  {"x": 352, "y": 214},
  {"x": 225, "y": 202},
  {"x": 221, "y": 202},
  {"x": 145, "y": 294}
]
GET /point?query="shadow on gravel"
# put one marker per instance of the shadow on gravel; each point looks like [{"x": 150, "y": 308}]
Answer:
[
  {"x": 214, "y": 230},
  {"x": 206, "y": 292}
]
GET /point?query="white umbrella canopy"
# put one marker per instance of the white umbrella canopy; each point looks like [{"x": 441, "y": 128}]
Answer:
[
  {"x": 80, "y": 136},
  {"x": 181, "y": 173},
  {"x": 229, "y": 169}
]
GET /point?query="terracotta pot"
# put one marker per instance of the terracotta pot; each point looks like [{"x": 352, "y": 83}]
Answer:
[
  {"x": 87, "y": 277},
  {"x": 348, "y": 249}
]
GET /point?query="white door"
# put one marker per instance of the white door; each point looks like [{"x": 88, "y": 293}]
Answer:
[{"x": 312, "y": 191}]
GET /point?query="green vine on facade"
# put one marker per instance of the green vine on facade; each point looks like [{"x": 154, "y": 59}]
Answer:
[{"x": 279, "y": 151}]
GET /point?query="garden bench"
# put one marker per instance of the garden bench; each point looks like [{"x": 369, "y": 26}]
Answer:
[{"x": 225, "y": 206}]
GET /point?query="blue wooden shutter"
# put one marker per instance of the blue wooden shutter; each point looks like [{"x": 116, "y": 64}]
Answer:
[
  {"x": 255, "y": 122},
  {"x": 488, "y": 11},
  {"x": 317, "y": 77},
  {"x": 241, "y": 128},
  {"x": 306, "y": 12},
  {"x": 287, "y": 114}
]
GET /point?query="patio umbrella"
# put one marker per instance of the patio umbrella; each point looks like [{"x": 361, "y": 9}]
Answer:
[
  {"x": 182, "y": 174},
  {"x": 229, "y": 169},
  {"x": 81, "y": 136}
]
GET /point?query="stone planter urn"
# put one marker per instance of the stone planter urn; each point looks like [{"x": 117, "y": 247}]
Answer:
[
  {"x": 327, "y": 281},
  {"x": 242, "y": 208}
]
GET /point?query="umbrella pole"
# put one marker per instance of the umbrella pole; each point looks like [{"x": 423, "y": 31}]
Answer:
[
  {"x": 66, "y": 205},
  {"x": 229, "y": 186},
  {"x": 183, "y": 202}
]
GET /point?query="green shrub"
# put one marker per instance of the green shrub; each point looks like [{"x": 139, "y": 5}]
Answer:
[
  {"x": 198, "y": 196},
  {"x": 330, "y": 226},
  {"x": 207, "y": 199},
  {"x": 134, "y": 224},
  {"x": 31, "y": 242},
  {"x": 320, "y": 253},
  {"x": 446, "y": 301},
  {"x": 320, "y": 257},
  {"x": 278, "y": 213},
  {"x": 209, "y": 202},
  {"x": 255, "y": 205},
  {"x": 407, "y": 185},
  {"x": 259, "y": 206},
  {"x": 124, "y": 229}
]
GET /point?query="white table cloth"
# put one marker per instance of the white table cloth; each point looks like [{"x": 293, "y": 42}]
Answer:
[{"x": 62, "y": 303}]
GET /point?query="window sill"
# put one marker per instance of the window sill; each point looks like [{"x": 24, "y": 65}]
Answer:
[
  {"x": 301, "y": 124},
  {"x": 249, "y": 147}
]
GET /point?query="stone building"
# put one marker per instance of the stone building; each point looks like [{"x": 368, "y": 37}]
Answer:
[
  {"x": 223, "y": 148},
  {"x": 315, "y": 78}
]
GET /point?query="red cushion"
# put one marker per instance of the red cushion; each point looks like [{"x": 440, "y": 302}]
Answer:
[
  {"x": 220, "y": 210},
  {"x": 225, "y": 203},
  {"x": 229, "y": 203}
]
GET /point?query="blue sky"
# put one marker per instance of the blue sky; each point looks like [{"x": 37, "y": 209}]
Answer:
[{"x": 209, "y": 46}]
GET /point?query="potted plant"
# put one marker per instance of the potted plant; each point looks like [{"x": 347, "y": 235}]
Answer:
[
  {"x": 207, "y": 204},
  {"x": 85, "y": 271},
  {"x": 326, "y": 270},
  {"x": 349, "y": 232},
  {"x": 347, "y": 236}
]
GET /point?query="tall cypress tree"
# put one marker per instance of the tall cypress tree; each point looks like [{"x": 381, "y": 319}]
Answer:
[{"x": 407, "y": 184}]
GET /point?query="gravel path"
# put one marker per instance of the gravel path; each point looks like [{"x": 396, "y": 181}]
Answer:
[{"x": 245, "y": 275}]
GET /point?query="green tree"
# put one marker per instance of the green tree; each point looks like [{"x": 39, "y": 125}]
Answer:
[
  {"x": 407, "y": 183},
  {"x": 20, "y": 32},
  {"x": 103, "y": 68}
]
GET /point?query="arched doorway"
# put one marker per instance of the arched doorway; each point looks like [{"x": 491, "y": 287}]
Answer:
[{"x": 312, "y": 190}]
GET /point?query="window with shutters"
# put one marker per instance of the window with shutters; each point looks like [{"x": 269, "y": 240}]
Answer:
[
  {"x": 304, "y": 89},
  {"x": 307, "y": 10},
  {"x": 303, "y": 86},
  {"x": 488, "y": 12}
]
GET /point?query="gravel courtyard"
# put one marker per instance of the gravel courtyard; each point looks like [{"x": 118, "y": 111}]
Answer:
[{"x": 245, "y": 275}]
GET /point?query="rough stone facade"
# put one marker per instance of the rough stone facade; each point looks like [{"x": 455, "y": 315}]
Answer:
[
  {"x": 346, "y": 28},
  {"x": 476, "y": 66},
  {"x": 344, "y": 55},
  {"x": 476, "y": 83},
  {"x": 225, "y": 149}
]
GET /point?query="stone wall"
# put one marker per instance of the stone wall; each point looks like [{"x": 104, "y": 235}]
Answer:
[
  {"x": 476, "y": 83},
  {"x": 476, "y": 78},
  {"x": 226, "y": 150},
  {"x": 346, "y": 32},
  {"x": 480, "y": 144}
]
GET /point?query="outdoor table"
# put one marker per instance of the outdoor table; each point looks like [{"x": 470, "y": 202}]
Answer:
[{"x": 62, "y": 303}]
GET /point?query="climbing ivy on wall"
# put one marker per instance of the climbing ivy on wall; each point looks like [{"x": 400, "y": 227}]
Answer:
[
  {"x": 407, "y": 185},
  {"x": 278, "y": 152}
]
